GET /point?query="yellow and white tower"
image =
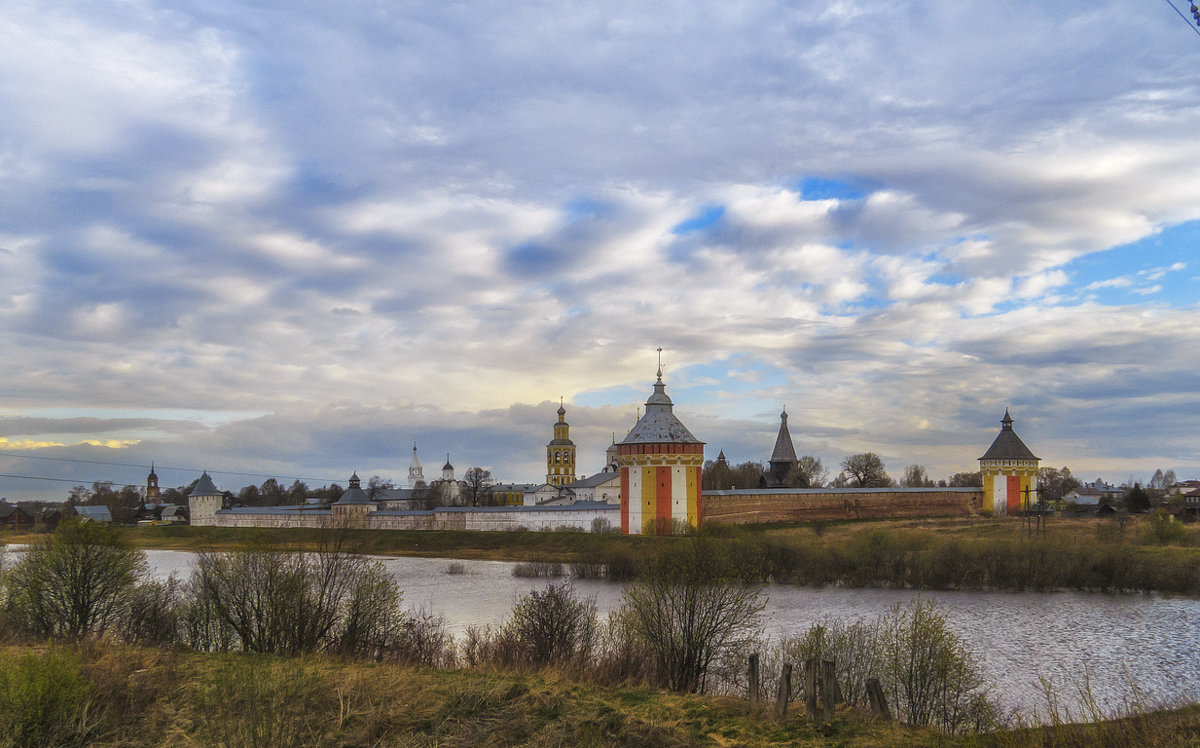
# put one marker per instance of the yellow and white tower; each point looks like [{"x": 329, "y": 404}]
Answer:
[
  {"x": 1009, "y": 468},
  {"x": 560, "y": 452},
  {"x": 660, "y": 465}
]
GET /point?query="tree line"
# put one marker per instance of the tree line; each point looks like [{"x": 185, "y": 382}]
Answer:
[{"x": 861, "y": 470}]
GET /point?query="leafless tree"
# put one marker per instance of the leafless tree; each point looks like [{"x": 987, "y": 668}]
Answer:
[
  {"x": 686, "y": 609},
  {"x": 75, "y": 583},
  {"x": 808, "y": 472},
  {"x": 477, "y": 486}
]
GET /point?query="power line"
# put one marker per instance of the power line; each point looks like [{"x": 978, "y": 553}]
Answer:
[
  {"x": 162, "y": 467},
  {"x": 1195, "y": 14}
]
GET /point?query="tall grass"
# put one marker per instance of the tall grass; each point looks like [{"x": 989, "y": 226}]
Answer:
[{"x": 44, "y": 700}]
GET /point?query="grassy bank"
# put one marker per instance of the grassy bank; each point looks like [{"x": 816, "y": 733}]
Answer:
[
  {"x": 105, "y": 695},
  {"x": 959, "y": 553}
]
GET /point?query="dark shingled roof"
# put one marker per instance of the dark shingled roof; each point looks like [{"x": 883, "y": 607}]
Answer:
[
  {"x": 1008, "y": 446},
  {"x": 785, "y": 451},
  {"x": 659, "y": 425}
]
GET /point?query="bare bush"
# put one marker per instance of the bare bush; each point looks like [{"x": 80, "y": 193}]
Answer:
[
  {"x": 153, "y": 616},
  {"x": 423, "y": 640},
  {"x": 931, "y": 676},
  {"x": 549, "y": 627},
  {"x": 538, "y": 569},
  {"x": 75, "y": 583},
  {"x": 293, "y": 602},
  {"x": 686, "y": 608}
]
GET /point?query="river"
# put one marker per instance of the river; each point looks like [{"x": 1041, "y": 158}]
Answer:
[{"x": 1148, "y": 639}]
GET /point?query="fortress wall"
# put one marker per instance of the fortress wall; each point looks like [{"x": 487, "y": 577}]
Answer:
[
  {"x": 801, "y": 505},
  {"x": 457, "y": 518}
]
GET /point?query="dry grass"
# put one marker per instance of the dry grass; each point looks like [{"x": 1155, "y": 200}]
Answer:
[{"x": 162, "y": 699}]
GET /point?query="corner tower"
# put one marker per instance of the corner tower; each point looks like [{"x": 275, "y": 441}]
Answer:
[
  {"x": 1009, "y": 468},
  {"x": 204, "y": 501},
  {"x": 660, "y": 465},
  {"x": 560, "y": 452}
]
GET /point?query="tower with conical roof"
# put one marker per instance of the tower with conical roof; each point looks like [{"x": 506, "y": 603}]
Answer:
[
  {"x": 783, "y": 457},
  {"x": 660, "y": 464},
  {"x": 204, "y": 501},
  {"x": 415, "y": 475},
  {"x": 1009, "y": 468},
  {"x": 560, "y": 452},
  {"x": 353, "y": 506}
]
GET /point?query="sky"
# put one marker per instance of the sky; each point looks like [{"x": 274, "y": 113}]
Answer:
[{"x": 292, "y": 239}]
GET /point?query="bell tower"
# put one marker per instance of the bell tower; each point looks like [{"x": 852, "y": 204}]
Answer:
[{"x": 560, "y": 452}]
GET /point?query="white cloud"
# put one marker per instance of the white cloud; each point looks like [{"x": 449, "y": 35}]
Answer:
[{"x": 428, "y": 214}]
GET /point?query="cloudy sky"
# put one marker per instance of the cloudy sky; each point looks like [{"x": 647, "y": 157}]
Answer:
[{"x": 294, "y": 238}]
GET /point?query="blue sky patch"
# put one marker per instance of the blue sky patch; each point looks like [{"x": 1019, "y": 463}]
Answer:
[
  {"x": 702, "y": 220},
  {"x": 1163, "y": 269},
  {"x": 824, "y": 188}
]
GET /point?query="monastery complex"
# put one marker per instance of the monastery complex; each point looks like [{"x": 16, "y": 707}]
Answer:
[{"x": 651, "y": 483}]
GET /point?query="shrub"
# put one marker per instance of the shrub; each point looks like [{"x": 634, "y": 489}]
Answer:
[
  {"x": 44, "y": 701},
  {"x": 423, "y": 640},
  {"x": 153, "y": 614},
  {"x": 75, "y": 583},
  {"x": 602, "y": 526},
  {"x": 456, "y": 567},
  {"x": 620, "y": 564},
  {"x": 538, "y": 569},
  {"x": 687, "y": 608},
  {"x": 554, "y": 627},
  {"x": 930, "y": 675},
  {"x": 546, "y": 627},
  {"x": 1161, "y": 528},
  {"x": 293, "y": 602}
]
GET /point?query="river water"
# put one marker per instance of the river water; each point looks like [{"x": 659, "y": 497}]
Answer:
[{"x": 1115, "y": 640}]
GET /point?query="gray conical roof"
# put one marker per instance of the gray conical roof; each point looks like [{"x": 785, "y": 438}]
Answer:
[
  {"x": 1008, "y": 446},
  {"x": 205, "y": 487},
  {"x": 784, "y": 450},
  {"x": 659, "y": 424}
]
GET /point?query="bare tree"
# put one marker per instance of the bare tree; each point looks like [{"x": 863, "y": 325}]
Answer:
[
  {"x": 688, "y": 608},
  {"x": 865, "y": 470},
  {"x": 75, "y": 583},
  {"x": 808, "y": 473},
  {"x": 377, "y": 485},
  {"x": 477, "y": 486}
]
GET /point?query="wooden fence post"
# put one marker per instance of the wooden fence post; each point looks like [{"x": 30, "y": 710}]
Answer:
[
  {"x": 828, "y": 684},
  {"x": 752, "y": 688},
  {"x": 877, "y": 699},
  {"x": 810, "y": 687},
  {"x": 831, "y": 683},
  {"x": 785, "y": 690}
]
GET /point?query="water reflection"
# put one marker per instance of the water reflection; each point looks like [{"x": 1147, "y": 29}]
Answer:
[{"x": 1150, "y": 640}]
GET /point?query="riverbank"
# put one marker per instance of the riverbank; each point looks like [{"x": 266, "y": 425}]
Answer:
[
  {"x": 975, "y": 553},
  {"x": 106, "y": 695}
]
